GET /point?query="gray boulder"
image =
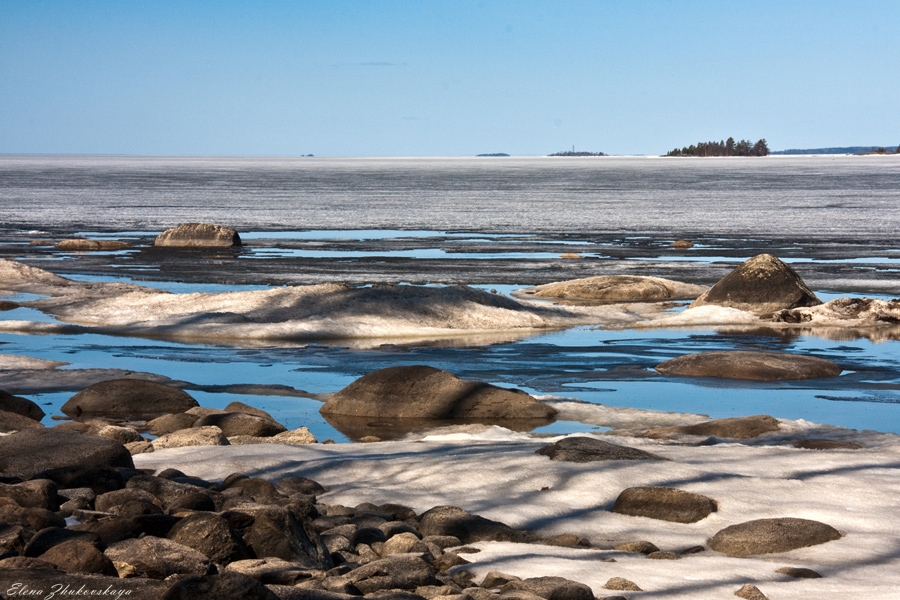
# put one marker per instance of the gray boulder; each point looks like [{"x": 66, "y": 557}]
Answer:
[
  {"x": 664, "y": 503},
  {"x": 128, "y": 398},
  {"x": 198, "y": 235},
  {"x": 582, "y": 449},
  {"x": 427, "y": 393},
  {"x": 21, "y": 406},
  {"x": 469, "y": 528},
  {"x": 762, "y": 284},
  {"x": 31, "y": 451},
  {"x": 765, "y": 536},
  {"x": 741, "y": 364}
]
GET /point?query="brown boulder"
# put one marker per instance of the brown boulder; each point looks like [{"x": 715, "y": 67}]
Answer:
[
  {"x": 20, "y": 406},
  {"x": 128, "y": 398},
  {"x": 765, "y": 536},
  {"x": 79, "y": 556},
  {"x": 240, "y": 423},
  {"x": 740, "y": 364},
  {"x": 664, "y": 503},
  {"x": 198, "y": 235},
  {"x": 156, "y": 558},
  {"x": 617, "y": 288},
  {"x": 582, "y": 449},
  {"x": 10, "y": 421},
  {"x": 762, "y": 284},
  {"x": 31, "y": 451},
  {"x": 733, "y": 427},
  {"x": 469, "y": 528}
]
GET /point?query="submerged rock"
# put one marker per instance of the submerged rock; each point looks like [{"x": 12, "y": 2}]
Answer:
[
  {"x": 198, "y": 235},
  {"x": 765, "y": 536},
  {"x": 740, "y": 364},
  {"x": 581, "y": 449},
  {"x": 422, "y": 392},
  {"x": 617, "y": 288},
  {"x": 128, "y": 398},
  {"x": 762, "y": 284}
]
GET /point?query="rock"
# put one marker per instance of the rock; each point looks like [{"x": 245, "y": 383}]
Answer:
[
  {"x": 128, "y": 398},
  {"x": 617, "y": 288},
  {"x": 496, "y": 579},
  {"x": 31, "y": 451},
  {"x": 49, "y": 537},
  {"x": 139, "y": 447},
  {"x": 765, "y": 536},
  {"x": 40, "y": 493},
  {"x": 257, "y": 488},
  {"x": 401, "y": 543},
  {"x": 79, "y": 556},
  {"x": 762, "y": 284},
  {"x": 220, "y": 586},
  {"x": 111, "y": 501},
  {"x": 825, "y": 444},
  {"x": 566, "y": 540},
  {"x": 98, "y": 479},
  {"x": 274, "y": 571},
  {"x": 299, "y": 593},
  {"x": 660, "y": 555},
  {"x": 275, "y": 532},
  {"x": 299, "y": 485},
  {"x": 569, "y": 255},
  {"x": 171, "y": 423},
  {"x": 240, "y": 407},
  {"x": 798, "y": 572},
  {"x": 20, "y": 406},
  {"x": 10, "y": 421},
  {"x": 198, "y": 235},
  {"x": 237, "y": 423},
  {"x": 454, "y": 521},
  {"x": 156, "y": 558},
  {"x": 734, "y": 427},
  {"x": 664, "y": 503},
  {"x": 123, "y": 435},
  {"x": 212, "y": 535},
  {"x": 643, "y": 547},
  {"x": 581, "y": 449},
  {"x": 759, "y": 366},
  {"x": 682, "y": 244},
  {"x": 622, "y": 585},
  {"x": 427, "y": 393},
  {"x": 169, "y": 492},
  {"x": 35, "y": 574},
  {"x": 398, "y": 572},
  {"x": 750, "y": 592},
  {"x": 555, "y": 588},
  {"x": 80, "y": 244},
  {"x": 195, "y": 436}
]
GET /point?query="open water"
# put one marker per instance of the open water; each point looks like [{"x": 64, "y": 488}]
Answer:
[{"x": 497, "y": 223}]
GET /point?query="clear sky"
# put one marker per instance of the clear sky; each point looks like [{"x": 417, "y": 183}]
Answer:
[{"x": 443, "y": 78}]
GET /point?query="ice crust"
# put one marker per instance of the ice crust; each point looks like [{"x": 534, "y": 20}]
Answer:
[{"x": 495, "y": 473}]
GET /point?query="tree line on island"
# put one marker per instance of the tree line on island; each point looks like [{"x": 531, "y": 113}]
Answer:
[{"x": 728, "y": 147}]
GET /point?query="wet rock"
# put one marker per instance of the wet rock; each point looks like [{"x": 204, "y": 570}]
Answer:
[
  {"x": 762, "y": 284},
  {"x": 618, "y": 288},
  {"x": 79, "y": 556},
  {"x": 128, "y": 398},
  {"x": 664, "y": 503},
  {"x": 425, "y": 392},
  {"x": 825, "y": 444},
  {"x": 765, "y": 536},
  {"x": 238, "y": 423},
  {"x": 156, "y": 558},
  {"x": 622, "y": 585},
  {"x": 195, "y": 436},
  {"x": 750, "y": 592},
  {"x": 400, "y": 572},
  {"x": 171, "y": 423},
  {"x": 31, "y": 451},
  {"x": 734, "y": 427},
  {"x": 759, "y": 366},
  {"x": 274, "y": 571},
  {"x": 798, "y": 572},
  {"x": 582, "y": 449},
  {"x": 10, "y": 422},
  {"x": 469, "y": 528},
  {"x": 198, "y": 235},
  {"x": 20, "y": 406},
  {"x": 212, "y": 535},
  {"x": 219, "y": 586}
]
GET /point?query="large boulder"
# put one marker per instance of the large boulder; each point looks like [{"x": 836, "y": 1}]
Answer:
[
  {"x": 239, "y": 423},
  {"x": 20, "y": 406},
  {"x": 397, "y": 572},
  {"x": 10, "y": 421},
  {"x": 422, "y": 392},
  {"x": 617, "y": 288},
  {"x": 31, "y": 451},
  {"x": 219, "y": 586},
  {"x": 664, "y": 503},
  {"x": 469, "y": 528},
  {"x": 156, "y": 558},
  {"x": 212, "y": 535},
  {"x": 128, "y": 398},
  {"x": 765, "y": 536},
  {"x": 742, "y": 364},
  {"x": 581, "y": 449},
  {"x": 198, "y": 235},
  {"x": 762, "y": 284}
]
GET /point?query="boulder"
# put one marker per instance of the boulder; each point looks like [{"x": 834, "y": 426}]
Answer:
[
  {"x": 10, "y": 421},
  {"x": 622, "y": 584},
  {"x": 825, "y": 444},
  {"x": 762, "y": 284},
  {"x": 425, "y": 392},
  {"x": 397, "y": 572},
  {"x": 273, "y": 570},
  {"x": 550, "y": 588},
  {"x": 748, "y": 591},
  {"x": 299, "y": 485},
  {"x": 239, "y": 423},
  {"x": 40, "y": 493},
  {"x": 20, "y": 406},
  {"x": 582, "y": 449},
  {"x": 198, "y": 235},
  {"x": 81, "y": 244},
  {"x": 156, "y": 558},
  {"x": 123, "y": 435},
  {"x": 275, "y": 532},
  {"x": 31, "y": 451},
  {"x": 128, "y": 398},
  {"x": 617, "y": 288},
  {"x": 219, "y": 586},
  {"x": 664, "y": 503},
  {"x": 240, "y": 407},
  {"x": 169, "y": 492},
  {"x": 212, "y": 535},
  {"x": 195, "y": 436},
  {"x": 170, "y": 423},
  {"x": 799, "y": 572},
  {"x": 47, "y": 538},
  {"x": 742, "y": 364},
  {"x": 469, "y": 528},
  {"x": 99, "y": 479},
  {"x": 733, "y": 427},
  {"x": 79, "y": 556},
  {"x": 765, "y": 536},
  {"x": 295, "y": 437}
]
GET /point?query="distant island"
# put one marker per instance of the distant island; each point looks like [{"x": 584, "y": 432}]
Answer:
[
  {"x": 728, "y": 147},
  {"x": 843, "y": 150},
  {"x": 574, "y": 153},
  {"x": 494, "y": 154}
]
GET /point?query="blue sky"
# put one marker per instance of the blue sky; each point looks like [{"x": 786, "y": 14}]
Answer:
[{"x": 454, "y": 78}]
